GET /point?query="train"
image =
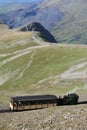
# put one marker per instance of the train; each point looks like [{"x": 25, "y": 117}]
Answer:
[{"x": 31, "y": 102}]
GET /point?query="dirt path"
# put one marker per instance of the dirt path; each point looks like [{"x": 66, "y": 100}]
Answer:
[
  {"x": 76, "y": 71},
  {"x": 17, "y": 54},
  {"x": 27, "y": 66}
]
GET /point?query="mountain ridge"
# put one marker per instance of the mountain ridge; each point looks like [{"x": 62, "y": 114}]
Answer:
[
  {"x": 17, "y": 1},
  {"x": 44, "y": 33},
  {"x": 34, "y": 13}
]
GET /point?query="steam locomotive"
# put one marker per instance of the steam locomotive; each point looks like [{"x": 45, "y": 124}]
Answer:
[{"x": 41, "y": 101}]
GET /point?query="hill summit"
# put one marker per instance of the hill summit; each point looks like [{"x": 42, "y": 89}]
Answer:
[{"x": 44, "y": 33}]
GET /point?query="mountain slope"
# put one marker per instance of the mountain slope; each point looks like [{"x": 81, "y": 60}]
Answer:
[
  {"x": 72, "y": 28},
  {"x": 33, "y": 13},
  {"x": 35, "y": 26},
  {"x": 17, "y": 1},
  {"x": 28, "y": 66},
  {"x": 5, "y": 9}
]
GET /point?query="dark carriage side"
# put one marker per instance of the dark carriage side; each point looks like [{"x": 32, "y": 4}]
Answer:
[{"x": 32, "y": 102}]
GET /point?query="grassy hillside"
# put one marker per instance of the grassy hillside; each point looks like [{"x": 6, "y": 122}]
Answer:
[{"x": 28, "y": 66}]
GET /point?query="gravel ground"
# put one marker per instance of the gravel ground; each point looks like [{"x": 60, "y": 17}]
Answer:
[{"x": 72, "y": 117}]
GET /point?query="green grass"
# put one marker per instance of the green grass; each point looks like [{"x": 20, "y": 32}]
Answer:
[
  {"x": 47, "y": 62},
  {"x": 12, "y": 41},
  {"x": 23, "y": 73},
  {"x": 11, "y": 49}
]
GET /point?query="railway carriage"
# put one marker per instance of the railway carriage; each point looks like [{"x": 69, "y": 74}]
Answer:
[{"x": 32, "y": 102}]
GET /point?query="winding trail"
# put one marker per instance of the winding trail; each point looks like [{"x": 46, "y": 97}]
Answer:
[
  {"x": 21, "y": 53},
  {"x": 27, "y": 66},
  {"x": 17, "y": 54},
  {"x": 4, "y": 78},
  {"x": 76, "y": 72},
  {"x": 14, "y": 57}
]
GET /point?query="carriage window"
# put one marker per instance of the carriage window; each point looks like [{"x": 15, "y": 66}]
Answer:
[
  {"x": 19, "y": 103},
  {"x": 32, "y": 102},
  {"x": 43, "y": 102},
  {"x": 26, "y": 103}
]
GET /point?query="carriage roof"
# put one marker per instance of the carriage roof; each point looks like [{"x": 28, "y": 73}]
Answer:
[{"x": 32, "y": 98}]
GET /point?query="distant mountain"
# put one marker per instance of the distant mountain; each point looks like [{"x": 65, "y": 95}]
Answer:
[
  {"x": 66, "y": 19},
  {"x": 34, "y": 12},
  {"x": 17, "y": 1},
  {"x": 73, "y": 27},
  {"x": 35, "y": 26},
  {"x": 8, "y": 6}
]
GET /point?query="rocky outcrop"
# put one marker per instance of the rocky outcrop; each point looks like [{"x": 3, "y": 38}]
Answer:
[{"x": 44, "y": 33}]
